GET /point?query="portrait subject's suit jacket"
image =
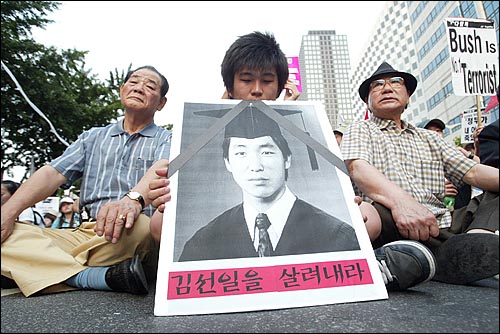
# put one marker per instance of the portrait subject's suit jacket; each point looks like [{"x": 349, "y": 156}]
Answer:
[{"x": 307, "y": 230}]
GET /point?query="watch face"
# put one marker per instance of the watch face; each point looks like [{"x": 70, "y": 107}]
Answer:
[{"x": 134, "y": 195}]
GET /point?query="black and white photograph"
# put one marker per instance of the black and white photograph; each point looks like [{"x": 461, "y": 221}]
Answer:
[
  {"x": 258, "y": 185},
  {"x": 254, "y": 166}
]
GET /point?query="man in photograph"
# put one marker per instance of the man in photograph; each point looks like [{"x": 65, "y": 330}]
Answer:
[{"x": 271, "y": 220}]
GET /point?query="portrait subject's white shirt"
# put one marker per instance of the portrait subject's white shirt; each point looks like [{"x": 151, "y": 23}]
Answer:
[{"x": 277, "y": 214}]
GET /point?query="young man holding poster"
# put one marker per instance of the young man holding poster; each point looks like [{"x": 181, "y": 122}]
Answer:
[{"x": 255, "y": 68}]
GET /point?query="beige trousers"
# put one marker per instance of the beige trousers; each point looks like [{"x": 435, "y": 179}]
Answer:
[{"x": 39, "y": 259}]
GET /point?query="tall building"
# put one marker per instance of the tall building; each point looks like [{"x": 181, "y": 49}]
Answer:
[
  {"x": 431, "y": 44},
  {"x": 411, "y": 36},
  {"x": 325, "y": 72}
]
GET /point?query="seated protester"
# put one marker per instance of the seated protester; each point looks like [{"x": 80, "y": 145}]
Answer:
[
  {"x": 116, "y": 163},
  {"x": 67, "y": 217},
  {"x": 255, "y": 68},
  {"x": 49, "y": 217},
  {"x": 401, "y": 170}
]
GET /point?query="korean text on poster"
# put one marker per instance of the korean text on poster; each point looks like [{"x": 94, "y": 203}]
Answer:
[{"x": 469, "y": 124}]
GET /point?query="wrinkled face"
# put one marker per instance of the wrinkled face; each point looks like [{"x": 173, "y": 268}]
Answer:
[
  {"x": 258, "y": 166},
  {"x": 387, "y": 97},
  {"x": 141, "y": 92},
  {"x": 5, "y": 195},
  {"x": 255, "y": 85}
]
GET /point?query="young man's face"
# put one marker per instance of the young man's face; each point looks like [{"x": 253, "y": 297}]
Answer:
[
  {"x": 258, "y": 166},
  {"x": 255, "y": 85}
]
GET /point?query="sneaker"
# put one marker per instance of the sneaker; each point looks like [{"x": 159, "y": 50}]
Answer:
[
  {"x": 404, "y": 264},
  {"x": 466, "y": 258},
  {"x": 128, "y": 276}
]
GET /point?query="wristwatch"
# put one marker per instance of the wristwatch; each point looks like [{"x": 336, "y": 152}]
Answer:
[{"x": 136, "y": 196}]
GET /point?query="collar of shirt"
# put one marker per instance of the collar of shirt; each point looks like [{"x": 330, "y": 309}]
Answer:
[
  {"x": 277, "y": 214},
  {"x": 148, "y": 131},
  {"x": 389, "y": 124}
]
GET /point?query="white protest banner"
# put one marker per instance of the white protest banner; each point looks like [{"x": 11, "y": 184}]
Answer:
[
  {"x": 48, "y": 204},
  {"x": 469, "y": 124},
  {"x": 474, "y": 56}
]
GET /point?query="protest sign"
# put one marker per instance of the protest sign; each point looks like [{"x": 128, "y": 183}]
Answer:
[
  {"x": 473, "y": 52},
  {"x": 470, "y": 123},
  {"x": 294, "y": 71},
  {"x": 208, "y": 261}
]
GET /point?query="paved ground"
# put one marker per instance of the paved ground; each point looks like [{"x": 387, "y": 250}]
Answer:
[{"x": 430, "y": 307}]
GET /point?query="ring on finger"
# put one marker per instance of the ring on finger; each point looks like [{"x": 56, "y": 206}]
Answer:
[{"x": 121, "y": 217}]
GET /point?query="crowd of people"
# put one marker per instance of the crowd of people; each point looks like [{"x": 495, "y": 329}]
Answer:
[
  {"x": 68, "y": 215},
  {"x": 399, "y": 170}
]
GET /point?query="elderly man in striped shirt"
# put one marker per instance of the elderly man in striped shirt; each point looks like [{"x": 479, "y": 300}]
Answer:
[{"x": 116, "y": 164}]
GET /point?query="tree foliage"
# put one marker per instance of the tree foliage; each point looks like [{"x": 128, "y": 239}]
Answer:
[{"x": 56, "y": 81}]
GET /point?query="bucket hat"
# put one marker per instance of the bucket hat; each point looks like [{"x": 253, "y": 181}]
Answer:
[{"x": 387, "y": 70}]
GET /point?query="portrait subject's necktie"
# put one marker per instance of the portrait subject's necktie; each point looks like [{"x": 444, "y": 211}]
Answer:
[{"x": 265, "y": 246}]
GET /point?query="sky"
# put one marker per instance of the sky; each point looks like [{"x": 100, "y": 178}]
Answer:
[{"x": 186, "y": 40}]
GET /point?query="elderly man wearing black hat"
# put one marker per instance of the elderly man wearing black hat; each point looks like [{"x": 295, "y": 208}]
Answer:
[{"x": 401, "y": 169}]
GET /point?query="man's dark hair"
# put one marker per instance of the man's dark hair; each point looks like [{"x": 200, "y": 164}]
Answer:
[
  {"x": 164, "y": 83},
  {"x": 254, "y": 51},
  {"x": 11, "y": 186},
  {"x": 278, "y": 139}
]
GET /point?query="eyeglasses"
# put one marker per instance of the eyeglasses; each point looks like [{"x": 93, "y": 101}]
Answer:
[{"x": 394, "y": 82}]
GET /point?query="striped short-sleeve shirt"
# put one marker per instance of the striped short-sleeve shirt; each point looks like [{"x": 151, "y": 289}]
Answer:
[
  {"x": 110, "y": 162},
  {"x": 417, "y": 160}
]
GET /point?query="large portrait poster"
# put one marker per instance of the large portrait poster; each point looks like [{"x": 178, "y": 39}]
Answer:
[{"x": 233, "y": 162}]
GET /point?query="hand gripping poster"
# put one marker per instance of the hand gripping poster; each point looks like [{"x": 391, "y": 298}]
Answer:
[{"x": 262, "y": 214}]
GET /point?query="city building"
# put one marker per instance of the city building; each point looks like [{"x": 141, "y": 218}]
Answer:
[
  {"x": 411, "y": 36},
  {"x": 325, "y": 72}
]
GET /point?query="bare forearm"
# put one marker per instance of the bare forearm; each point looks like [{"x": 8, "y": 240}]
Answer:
[
  {"x": 375, "y": 185},
  {"x": 413, "y": 220},
  {"x": 483, "y": 177},
  {"x": 39, "y": 186},
  {"x": 143, "y": 185}
]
